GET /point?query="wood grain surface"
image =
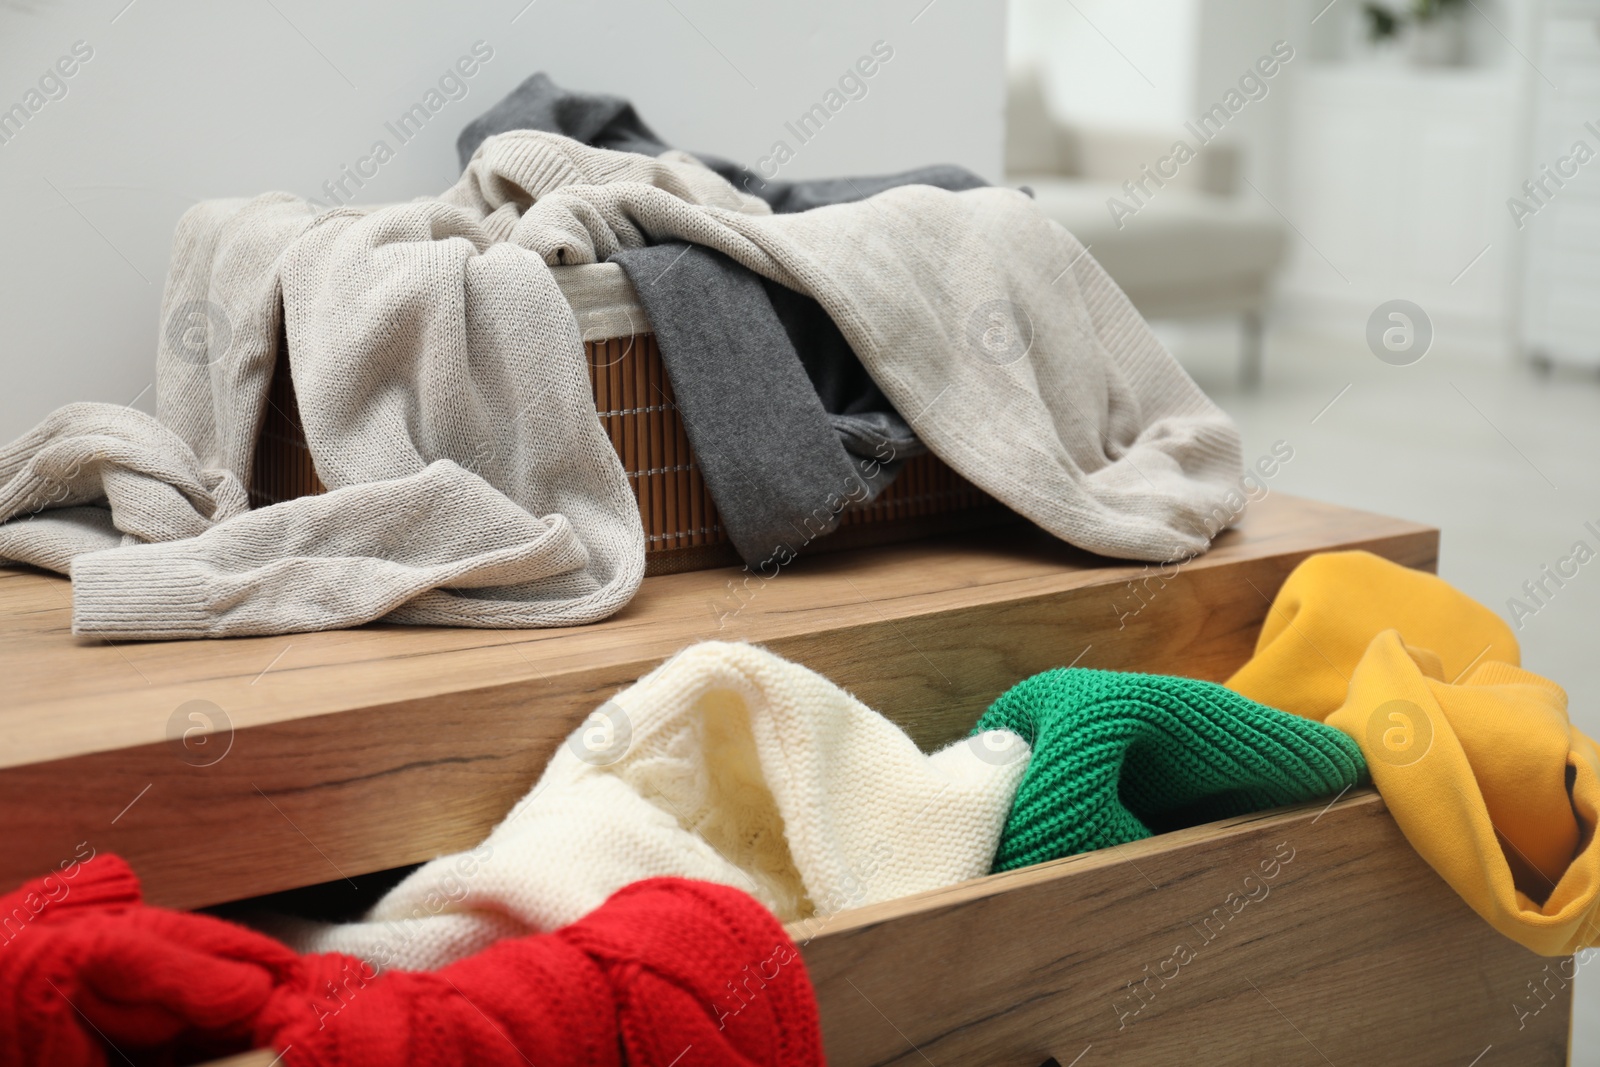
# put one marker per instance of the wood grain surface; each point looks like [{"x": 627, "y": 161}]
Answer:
[
  {"x": 1314, "y": 935},
  {"x": 233, "y": 768},
  {"x": 1355, "y": 953}
]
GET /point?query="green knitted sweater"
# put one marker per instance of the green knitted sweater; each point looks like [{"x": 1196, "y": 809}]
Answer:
[{"x": 1118, "y": 757}]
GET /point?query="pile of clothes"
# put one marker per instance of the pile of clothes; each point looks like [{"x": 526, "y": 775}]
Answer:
[
  {"x": 646, "y": 978},
  {"x": 630, "y": 908},
  {"x": 632, "y": 899},
  {"x": 816, "y": 335},
  {"x": 732, "y": 765}
]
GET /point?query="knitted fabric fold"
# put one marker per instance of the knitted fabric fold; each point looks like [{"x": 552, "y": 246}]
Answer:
[
  {"x": 960, "y": 305},
  {"x": 1118, "y": 757},
  {"x": 414, "y": 339},
  {"x": 726, "y": 764},
  {"x": 775, "y": 462},
  {"x": 421, "y": 341},
  {"x": 514, "y": 170},
  {"x": 597, "y": 119},
  {"x": 94, "y": 476},
  {"x": 427, "y": 544},
  {"x": 222, "y": 321},
  {"x": 1476, "y": 759},
  {"x": 665, "y": 972},
  {"x": 787, "y": 428}
]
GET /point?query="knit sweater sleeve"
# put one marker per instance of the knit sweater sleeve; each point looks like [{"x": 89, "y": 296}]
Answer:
[
  {"x": 324, "y": 562},
  {"x": 52, "y": 539},
  {"x": 91, "y": 473}
]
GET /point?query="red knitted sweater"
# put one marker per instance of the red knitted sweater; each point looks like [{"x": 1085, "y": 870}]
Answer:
[{"x": 667, "y": 972}]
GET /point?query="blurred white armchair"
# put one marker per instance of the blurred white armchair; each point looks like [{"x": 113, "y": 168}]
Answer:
[{"x": 1191, "y": 247}]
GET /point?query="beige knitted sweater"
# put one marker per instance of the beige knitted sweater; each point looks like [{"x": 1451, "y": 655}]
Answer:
[
  {"x": 445, "y": 400},
  {"x": 1006, "y": 346}
]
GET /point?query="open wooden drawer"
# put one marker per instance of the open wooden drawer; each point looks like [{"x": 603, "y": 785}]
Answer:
[
  {"x": 323, "y": 755},
  {"x": 1342, "y": 948}
]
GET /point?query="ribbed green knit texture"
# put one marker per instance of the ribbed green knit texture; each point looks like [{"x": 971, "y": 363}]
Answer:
[{"x": 1118, "y": 757}]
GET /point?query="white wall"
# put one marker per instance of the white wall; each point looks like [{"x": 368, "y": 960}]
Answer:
[
  {"x": 1397, "y": 178},
  {"x": 1231, "y": 35},
  {"x": 1109, "y": 62},
  {"x": 184, "y": 101},
  {"x": 1155, "y": 64},
  {"x": 1397, "y": 183}
]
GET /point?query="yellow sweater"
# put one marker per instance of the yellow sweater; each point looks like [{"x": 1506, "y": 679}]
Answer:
[{"x": 1475, "y": 758}]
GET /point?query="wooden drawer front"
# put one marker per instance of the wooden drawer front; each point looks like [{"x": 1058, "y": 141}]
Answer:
[
  {"x": 1310, "y": 935},
  {"x": 1353, "y": 952},
  {"x": 359, "y": 750}
]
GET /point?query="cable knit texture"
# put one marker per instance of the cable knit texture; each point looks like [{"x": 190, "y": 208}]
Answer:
[
  {"x": 667, "y": 972},
  {"x": 726, "y": 764},
  {"x": 1476, "y": 759},
  {"x": 1118, "y": 757}
]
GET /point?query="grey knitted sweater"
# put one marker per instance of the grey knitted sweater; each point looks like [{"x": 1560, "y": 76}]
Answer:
[{"x": 445, "y": 400}]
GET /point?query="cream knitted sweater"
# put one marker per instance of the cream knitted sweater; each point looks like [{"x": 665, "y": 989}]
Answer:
[
  {"x": 431, "y": 336},
  {"x": 727, "y": 764}
]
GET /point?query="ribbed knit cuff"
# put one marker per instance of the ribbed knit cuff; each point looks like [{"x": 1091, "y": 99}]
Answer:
[{"x": 146, "y": 592}]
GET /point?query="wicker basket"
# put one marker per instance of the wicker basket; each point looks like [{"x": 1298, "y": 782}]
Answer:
[{"x": 633, "y": 397}]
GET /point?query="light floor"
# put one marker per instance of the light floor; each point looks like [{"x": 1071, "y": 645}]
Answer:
[{"x": 1504, "y": 462}]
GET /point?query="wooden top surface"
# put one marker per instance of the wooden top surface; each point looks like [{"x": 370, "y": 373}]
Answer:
[
  {"x": 227, "y": 769},
  {"x": 62, "y": 696}
]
